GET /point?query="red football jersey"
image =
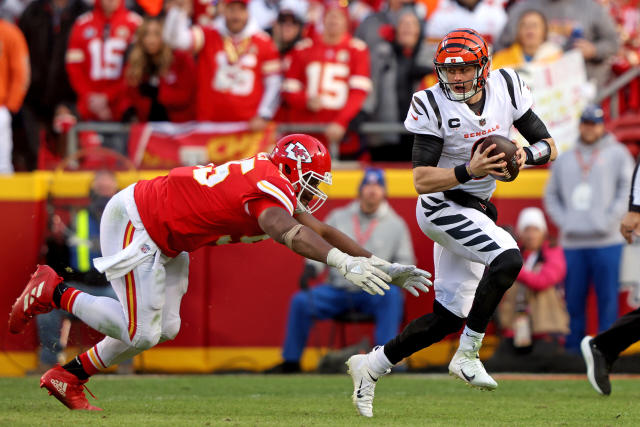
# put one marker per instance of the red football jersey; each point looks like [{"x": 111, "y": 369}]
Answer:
[
  {"x": 95, "y": 57},
  {"x": 212, "y": 205},
  {"x": 231, "y": 73},
  {"x": 338, "y": 74}
]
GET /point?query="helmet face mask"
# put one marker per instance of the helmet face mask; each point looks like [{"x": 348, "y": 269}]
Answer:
[
  {"x": 470, "y": 85},
  {"x": 306, "y": 163},
  {"x": 459, "y": 49}
]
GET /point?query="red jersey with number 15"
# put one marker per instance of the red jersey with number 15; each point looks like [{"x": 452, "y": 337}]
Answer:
[{"x": 212, "y": 205}]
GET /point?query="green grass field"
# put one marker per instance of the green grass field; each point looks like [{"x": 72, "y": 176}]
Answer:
[{"x": 304, "y": 400}]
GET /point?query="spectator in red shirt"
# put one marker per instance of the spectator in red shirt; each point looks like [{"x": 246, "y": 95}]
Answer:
[
  {"x": 328, "y": 78},
  {"x": 238, "y": 67},
  {"x": 159, "y": 82},
  {"x": 95, "y": 59}
]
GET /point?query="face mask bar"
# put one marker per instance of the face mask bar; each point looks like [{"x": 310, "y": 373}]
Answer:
[
  {"x": 304, "y": 184},
  {"x": 449, "y": 92}
]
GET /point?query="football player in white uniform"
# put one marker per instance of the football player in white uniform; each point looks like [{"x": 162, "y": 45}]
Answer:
[{"x": 455, "y": 183}]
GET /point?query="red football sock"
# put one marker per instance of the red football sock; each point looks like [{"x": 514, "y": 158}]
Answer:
[
  {"x": 87, "y": 365},
  {"x": 68, "y": 298}
]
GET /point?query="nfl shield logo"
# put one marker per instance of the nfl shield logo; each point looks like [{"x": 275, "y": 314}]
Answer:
[{"x": 483, "y": 122}]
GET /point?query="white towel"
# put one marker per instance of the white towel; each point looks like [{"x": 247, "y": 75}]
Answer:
[{"x": 122, "y": 262}]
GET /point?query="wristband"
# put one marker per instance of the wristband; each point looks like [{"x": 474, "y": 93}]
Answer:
[
  {"x": 462, "y": 174},
  {"x": 538, "y": 153}
]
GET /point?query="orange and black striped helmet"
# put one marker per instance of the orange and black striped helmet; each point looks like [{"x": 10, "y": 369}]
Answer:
[{"x": 462, "y": 47}]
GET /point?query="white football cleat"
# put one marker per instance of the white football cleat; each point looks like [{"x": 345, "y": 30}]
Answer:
[
  {"x": 364, "y": 384},
  {"x": 467, "y": 366}
]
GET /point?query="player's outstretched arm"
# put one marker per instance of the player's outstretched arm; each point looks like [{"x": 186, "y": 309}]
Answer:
[
  {"x": 333, "y": 236},
  {"x": 303, "y": 240},
  {"x": 405, "y": 276}
]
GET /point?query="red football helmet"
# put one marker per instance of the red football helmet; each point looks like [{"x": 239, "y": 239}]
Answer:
[
  {"x": 306, "y": 163},
  {"x": 462, "y": 47}
]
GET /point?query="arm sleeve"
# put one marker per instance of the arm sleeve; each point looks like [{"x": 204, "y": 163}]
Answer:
[
  {"x": 19, "y": 70},
  {"x": 359, "y": 83},
  {"x": 271, "y": 69},
  {"x": 426, "y": 150},
  {"x": 177, "y": 33},
  {"x": 551, "y": 272},
  {"x": 531, "y": 127},
  {"x": 634, "y": 196}
]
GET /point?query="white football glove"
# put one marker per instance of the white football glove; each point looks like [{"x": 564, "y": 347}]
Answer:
[
  {"x": 359, "y": 271},
  {"x": 405, "y": 276}
]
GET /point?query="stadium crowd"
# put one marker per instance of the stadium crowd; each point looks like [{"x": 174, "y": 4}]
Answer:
[{"x": 338, "y": 63}]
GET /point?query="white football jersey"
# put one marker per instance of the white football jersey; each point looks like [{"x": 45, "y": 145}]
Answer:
[{"x": 507, "y": 98}]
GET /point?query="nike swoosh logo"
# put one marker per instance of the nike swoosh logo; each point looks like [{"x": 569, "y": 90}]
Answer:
[
  {"x": 358, "y": 395},
  {"x": 375, "y": 380},
  {"x": 414, "y": 117},
  {"x": 467, "y": 377}
]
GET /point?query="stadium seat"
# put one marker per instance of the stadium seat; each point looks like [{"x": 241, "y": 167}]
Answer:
[{"x": 338, "y": 334}]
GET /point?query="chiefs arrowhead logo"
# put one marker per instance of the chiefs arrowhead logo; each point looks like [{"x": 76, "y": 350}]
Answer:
[{"x": 297, "y": 150}]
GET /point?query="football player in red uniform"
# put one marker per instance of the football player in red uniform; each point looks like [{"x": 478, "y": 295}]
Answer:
[
  {"x": 238, "y": 65},
  {"x": 328, "y": 78},
  {"x": 148, "y": 229},
  {"x": 95, "y": 58}
]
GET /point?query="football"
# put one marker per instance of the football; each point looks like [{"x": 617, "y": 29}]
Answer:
[{"x": 503, "y": 145}]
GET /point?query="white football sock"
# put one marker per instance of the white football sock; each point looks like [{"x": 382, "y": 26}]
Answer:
[
  {"x": 378, "y": 361},
  {"x": 103, "y": 314},
  {"x": 470, "y": 340},
  {"x": 113, "y": 351}
]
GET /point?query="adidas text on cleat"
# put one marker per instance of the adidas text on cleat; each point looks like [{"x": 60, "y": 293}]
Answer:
[
  {"x": 597, "y": 366},
  {"x": 468, "y": 367},
  {"x": 36, "y": 298},
  {"x": 364, "y": 384},
  {"x": 67, "y": 388}
]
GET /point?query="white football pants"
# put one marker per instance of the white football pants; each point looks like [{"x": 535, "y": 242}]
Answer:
[
  {"x": 465, "y": 241},
  {"x": 148, "y": 310}
]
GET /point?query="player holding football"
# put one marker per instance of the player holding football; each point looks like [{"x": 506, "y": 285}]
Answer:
[
  {"x": 455, "y": 184},
  {"x": 148, "y": 228}
]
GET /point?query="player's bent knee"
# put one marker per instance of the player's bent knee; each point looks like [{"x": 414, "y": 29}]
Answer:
[
  {"x": 505, "y": 268},
  {"x": 145, "y": 341},
  {"x": 170, "y": 330}
]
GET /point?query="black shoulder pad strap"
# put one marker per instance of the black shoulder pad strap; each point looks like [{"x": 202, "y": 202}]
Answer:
[
  {"x": 509, "y": 81},
  {"x": 434, "y": 106}
]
